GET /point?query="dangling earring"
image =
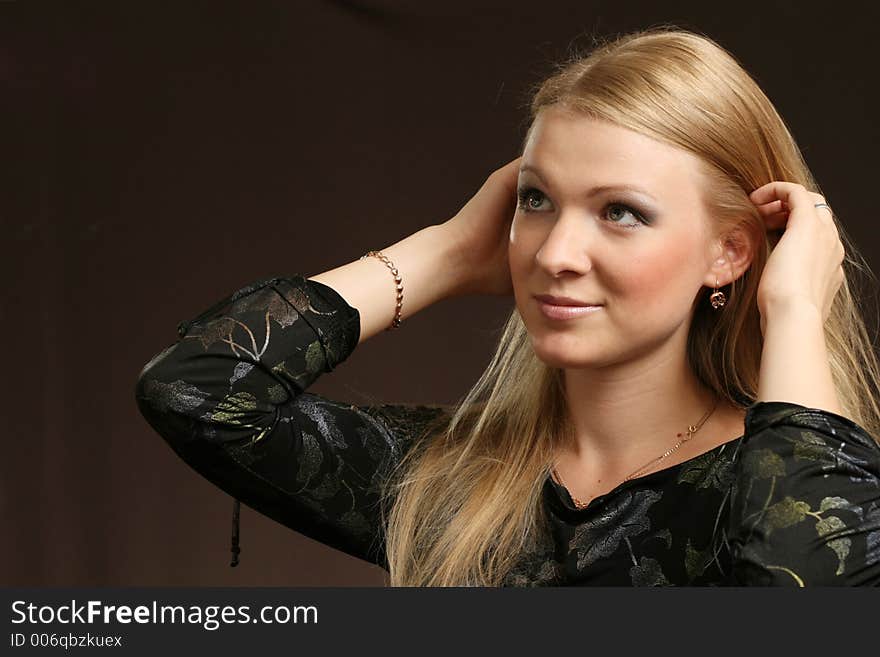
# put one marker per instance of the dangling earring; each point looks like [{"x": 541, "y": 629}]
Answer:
[{"x": 717, "y": 298}]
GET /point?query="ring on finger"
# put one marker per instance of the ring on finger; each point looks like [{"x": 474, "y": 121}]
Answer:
[{"x": 824, "y": 205}]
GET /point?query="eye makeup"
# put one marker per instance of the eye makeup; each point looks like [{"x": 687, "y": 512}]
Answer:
[{"x": 525, "y": 194}]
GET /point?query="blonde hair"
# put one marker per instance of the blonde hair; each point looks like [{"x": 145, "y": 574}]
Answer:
[{"x": 465, "y": 502}]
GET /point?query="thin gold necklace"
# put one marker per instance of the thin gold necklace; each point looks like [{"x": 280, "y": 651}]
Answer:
[{"x": 691, "y": 430}]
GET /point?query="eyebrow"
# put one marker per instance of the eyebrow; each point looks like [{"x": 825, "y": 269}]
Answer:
[{"x": 596, "y": 190}]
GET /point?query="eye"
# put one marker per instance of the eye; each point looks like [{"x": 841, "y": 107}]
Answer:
[
  {"x": 617, "y": 210},
  {"x": 614, "y": 211},
  {"x": 524, "y": 194}
]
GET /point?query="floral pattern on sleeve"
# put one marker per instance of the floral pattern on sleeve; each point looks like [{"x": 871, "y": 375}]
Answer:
[
  {"x": 805, "y": 507},
  {"x": 230, "y": 399}
]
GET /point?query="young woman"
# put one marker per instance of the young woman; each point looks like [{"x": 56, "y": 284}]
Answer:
[{"x": 684, "y": 393}]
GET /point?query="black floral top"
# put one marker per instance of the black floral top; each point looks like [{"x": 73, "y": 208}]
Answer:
[{"x": 794, "y": 501}]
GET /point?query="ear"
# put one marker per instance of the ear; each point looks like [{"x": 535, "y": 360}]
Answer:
[{"x": 732, "y": 255}]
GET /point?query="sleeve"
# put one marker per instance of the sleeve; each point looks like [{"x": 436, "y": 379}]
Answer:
[
  {"x": 805, "y": 500},
  {"x": 229, "y": 397}
]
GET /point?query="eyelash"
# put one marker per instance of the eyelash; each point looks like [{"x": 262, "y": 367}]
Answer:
[{"x": 523, "y": 194}]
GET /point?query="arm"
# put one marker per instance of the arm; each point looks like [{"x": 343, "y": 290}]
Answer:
[
  {"x": 428, "y": 263},
  {"x": 805, "y": 502},
  {"x": 229, "y": 398},
  {"x": 794, "y": 359}
]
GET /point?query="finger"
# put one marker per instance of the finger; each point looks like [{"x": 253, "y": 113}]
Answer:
[
  {"x": 771, "y": 208},
  {"x": 824, "y": 211},
  {"x": 509, "y": 173},
  {"x": 774, "y": 214},
  {"x": 794, "y": 196},
  {"x": 777, "y": 189},
  {"x": 780, "y": 195}
]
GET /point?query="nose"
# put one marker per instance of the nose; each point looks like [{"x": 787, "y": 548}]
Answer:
[{"x": 567, "y": 246}]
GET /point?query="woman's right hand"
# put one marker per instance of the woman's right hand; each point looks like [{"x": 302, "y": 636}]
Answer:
[{"x": 481, "y": 233}]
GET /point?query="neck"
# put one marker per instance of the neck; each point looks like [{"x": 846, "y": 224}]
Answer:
[{"x": 630, "y": 413}]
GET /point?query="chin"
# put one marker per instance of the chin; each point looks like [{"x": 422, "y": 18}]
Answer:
[{"x": 556, "y": 351}]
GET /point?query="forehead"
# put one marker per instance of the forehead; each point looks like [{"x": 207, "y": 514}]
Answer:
[{"x": 577, "y": 152}]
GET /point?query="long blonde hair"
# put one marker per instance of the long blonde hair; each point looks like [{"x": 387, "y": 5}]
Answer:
[{"x": 465, "y": 502}]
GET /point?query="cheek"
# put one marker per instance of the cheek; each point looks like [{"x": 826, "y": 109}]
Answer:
[{"x": 659, "y": 282}]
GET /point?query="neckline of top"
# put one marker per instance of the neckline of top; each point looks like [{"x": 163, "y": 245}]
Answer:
[{"x": 563, "y": 496}]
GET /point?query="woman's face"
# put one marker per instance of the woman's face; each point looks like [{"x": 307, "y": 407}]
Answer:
[{"x": 611, "y": 217}]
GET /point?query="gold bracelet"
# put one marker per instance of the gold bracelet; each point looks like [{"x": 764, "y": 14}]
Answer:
[{"x": 398, "y": 281}]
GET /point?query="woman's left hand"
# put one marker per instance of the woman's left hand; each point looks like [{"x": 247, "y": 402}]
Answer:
[{"x": 806, "y": 266}]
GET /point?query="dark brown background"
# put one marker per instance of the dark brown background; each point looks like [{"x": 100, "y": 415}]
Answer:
[{"x": 159, "y": 155}]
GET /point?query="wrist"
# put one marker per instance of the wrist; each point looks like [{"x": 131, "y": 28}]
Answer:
[
  {"x": 795, "y": 364},
  {"x": 452, "y": 274},
  {"x": 790, "y": 310}
]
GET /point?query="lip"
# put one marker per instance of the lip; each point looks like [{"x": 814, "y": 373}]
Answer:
[
  {"x": 552, "y": 311},
  {"x": 563, "y": 301}
]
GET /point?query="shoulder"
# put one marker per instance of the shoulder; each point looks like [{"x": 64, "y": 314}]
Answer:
[
  {"x": 805, "y": 502},
  {"x": 808, "y": 432}
]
